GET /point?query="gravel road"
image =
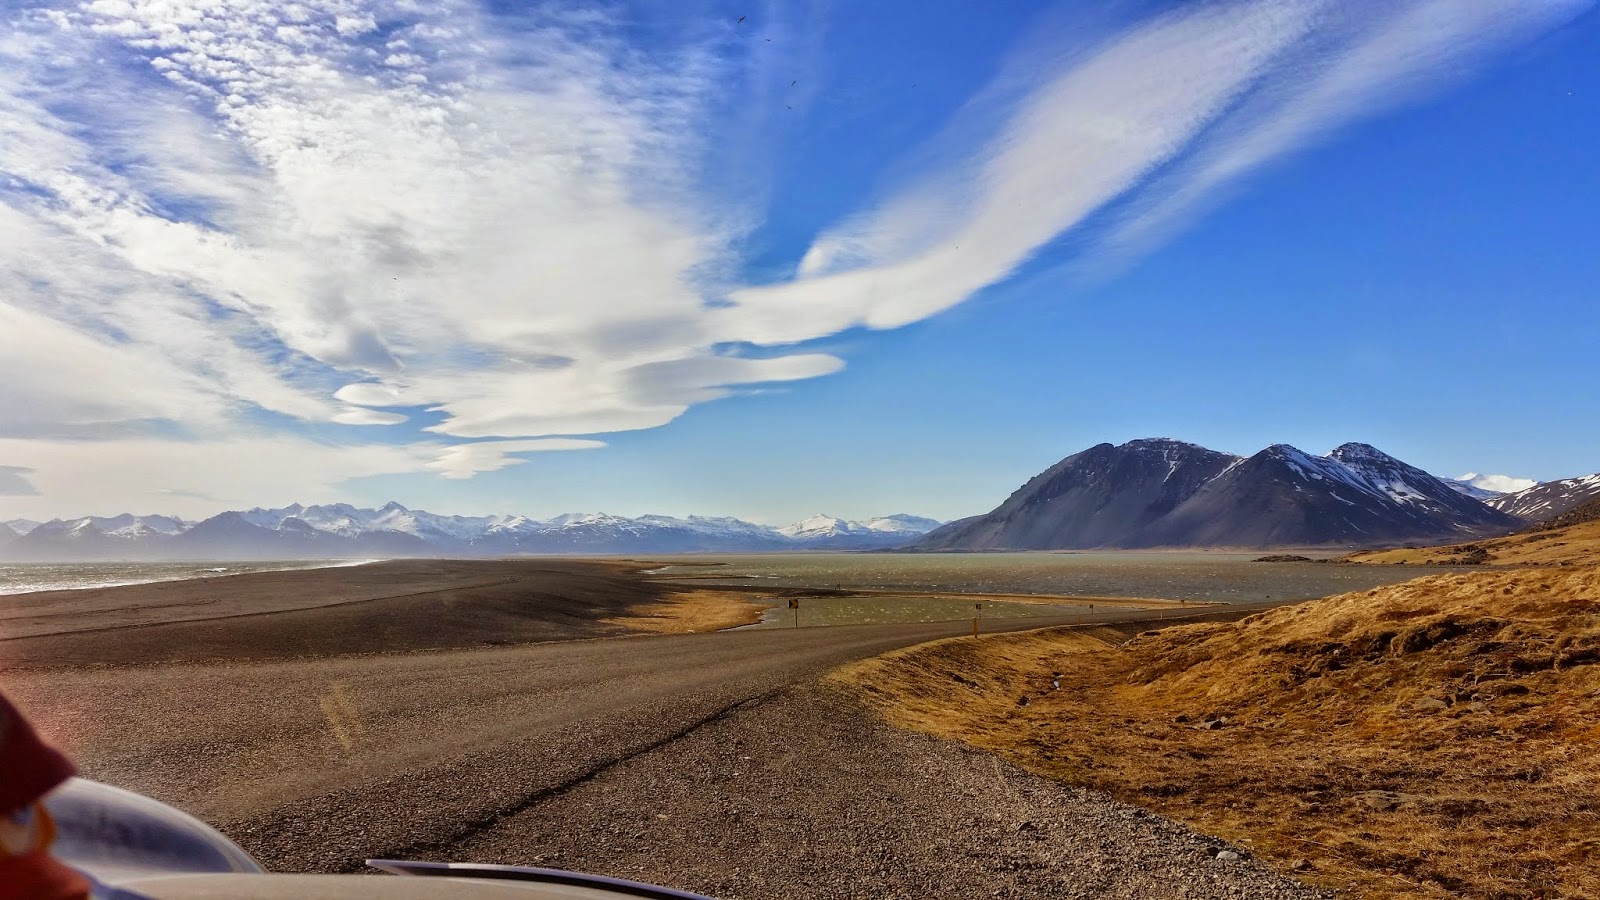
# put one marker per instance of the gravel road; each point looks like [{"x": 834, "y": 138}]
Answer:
[
  {"x": 572, "y": 751},
  {"x": 806, "y": 794}
]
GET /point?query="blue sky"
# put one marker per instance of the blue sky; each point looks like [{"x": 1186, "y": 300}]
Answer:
[{"x": 542, "y": 258}]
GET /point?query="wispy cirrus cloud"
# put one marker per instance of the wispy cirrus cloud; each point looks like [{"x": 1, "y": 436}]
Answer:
[
  {"x": 439, "y": 237},
  {"x": 1360, "y": 61},
  {"x": 1145, "y": 124}
]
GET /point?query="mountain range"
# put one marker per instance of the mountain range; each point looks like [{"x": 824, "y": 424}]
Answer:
[
  {"x": 338, "y": 531},
  {"x": 1160, "y": 492},
  {"x": 1146, "y": 493}
]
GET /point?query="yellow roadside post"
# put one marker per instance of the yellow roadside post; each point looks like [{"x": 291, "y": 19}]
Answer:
[{"x": 794, "y": 604}]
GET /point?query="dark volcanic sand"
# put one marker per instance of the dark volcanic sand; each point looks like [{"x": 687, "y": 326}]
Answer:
[{"x": 383, "y": 607}]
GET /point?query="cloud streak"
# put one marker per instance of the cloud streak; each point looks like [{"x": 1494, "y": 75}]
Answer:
[{"x": 1147, "y": 125}]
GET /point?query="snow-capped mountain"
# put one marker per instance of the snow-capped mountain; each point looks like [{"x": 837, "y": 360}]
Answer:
[
  {"x": 1550, "y": 499},
  {"x": 607, "y": 533},
  {"x": 902, "y": 523},
  {"x": 822, "y": 531},
  {"x": 428, "y": 526},
  {"x": 1488, "y": 487},
  {"x": 1165, "y": 493},
  {"x": 112, "y": 537},
  {"x": 818, "y": 526},
  {"x": 343, "y": 531}
]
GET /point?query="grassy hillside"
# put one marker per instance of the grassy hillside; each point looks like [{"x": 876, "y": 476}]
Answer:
[
  {"x": 1571, "y": 539},
  {"x": 1435, "y": 738}
]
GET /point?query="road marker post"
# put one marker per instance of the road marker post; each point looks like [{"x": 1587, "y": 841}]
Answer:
[
  {"x": 794, "y": 604},
  {"x": 979, "y": 608}
]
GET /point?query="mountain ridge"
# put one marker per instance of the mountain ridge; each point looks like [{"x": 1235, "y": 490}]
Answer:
[
  {"x": 1549, "y": 499},
  {"x": 343, "y": 531},
  {"x": 1159, "y": 492}
]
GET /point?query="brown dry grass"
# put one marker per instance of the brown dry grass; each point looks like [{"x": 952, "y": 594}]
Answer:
[
  {"x": 1321, "y": 758},
  {"x": 692, "y": 611},
  {"x": 1574, "y": 545}
]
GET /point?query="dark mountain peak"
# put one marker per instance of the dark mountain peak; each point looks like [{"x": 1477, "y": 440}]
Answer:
[
  {"x": 1354, "y": 450},
  {"x": 1093, "y": 498},
  {"x": 1156, "y": 492},
  {"x": 295, "y": 524},
  {"x": 227, "y": 523},
  {"x": 1161, "y": 443},
  {"x": 1366, "y": 458}
]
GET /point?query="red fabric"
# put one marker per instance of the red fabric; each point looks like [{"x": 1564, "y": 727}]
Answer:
[
  {"x": 29, "y": 768},
  {"x": 39, "y": 876}
]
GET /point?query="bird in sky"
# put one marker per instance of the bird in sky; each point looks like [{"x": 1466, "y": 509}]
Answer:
[{"x": 741, "y": 20}]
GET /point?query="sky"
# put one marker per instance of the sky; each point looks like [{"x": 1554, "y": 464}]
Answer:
[{"x": 773, "y": 259}]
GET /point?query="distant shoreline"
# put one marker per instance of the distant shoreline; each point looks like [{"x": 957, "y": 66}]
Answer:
[{"x": 11, "y": 584}]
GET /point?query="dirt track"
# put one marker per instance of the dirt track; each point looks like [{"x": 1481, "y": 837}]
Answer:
[{"x": 316, "y": 763}]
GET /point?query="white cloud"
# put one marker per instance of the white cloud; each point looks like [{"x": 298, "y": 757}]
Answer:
[
  {"x": 192, "y": 478},
  {"x": 467, "y": 460},
  {"x": 527, "y": 204},
  {"x": 220, "y": 218},
  {"x": 197, "y": 478},
  {"x": 14, "y": 482}
]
